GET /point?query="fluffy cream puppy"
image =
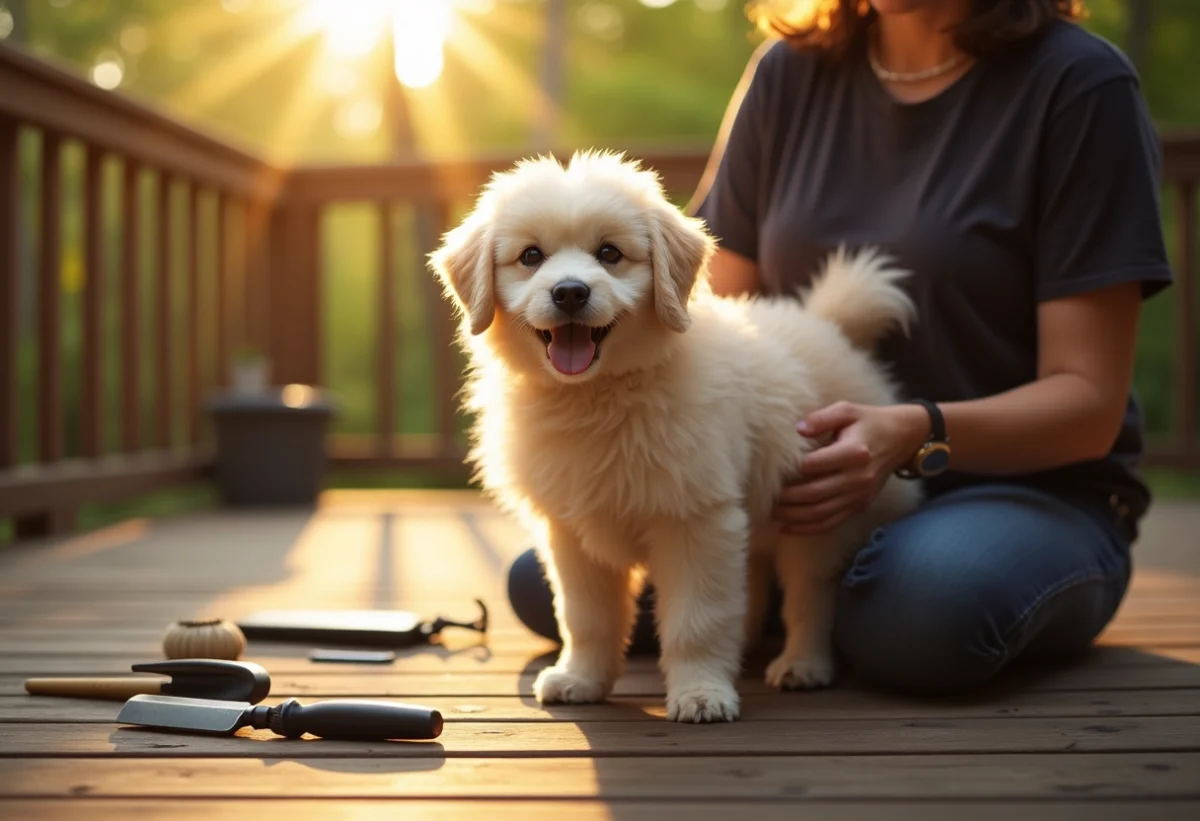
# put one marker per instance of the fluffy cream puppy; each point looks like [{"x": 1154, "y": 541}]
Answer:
[{"x": 636, "y": 423}]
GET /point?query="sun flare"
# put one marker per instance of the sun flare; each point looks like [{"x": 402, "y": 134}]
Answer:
[
  {"x": 353, "y": 30},
  {"x": 349, "y": 29},
  {"x": 419, "y": 29}
]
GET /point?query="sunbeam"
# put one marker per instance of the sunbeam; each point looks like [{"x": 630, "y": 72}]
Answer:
[
  {"x": 419, "y": 29},
  {"x": 208, "y": 89},
  {"x": 485, "y": 60},
  {"x": 297, "y": 114},
  {"x": 341, "y": 56}
]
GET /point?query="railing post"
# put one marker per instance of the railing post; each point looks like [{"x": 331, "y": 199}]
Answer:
[
  {"x": 92, "y": 397},
  {"x": 192, "y": 392},
  {"x": 255, "y": 320},
  {"x": 131, "y": 315},
  {"x": 295, "y": 330},
  {"x": 224, "y": 276},
  {"x": 163, "y": 319},
  {"x": 387, "y": 339},
  {"x": 1185, "y": 322},
  {"x": 50, "y": 415},
  {"x": 10, "y": 212}
]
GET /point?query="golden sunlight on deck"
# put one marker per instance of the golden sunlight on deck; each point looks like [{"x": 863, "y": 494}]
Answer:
[{"x": 1096, "y": 739}]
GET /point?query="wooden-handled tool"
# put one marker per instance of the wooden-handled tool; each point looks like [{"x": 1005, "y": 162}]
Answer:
[
  {"x": 192, "y": 678},
  {"x": 114, "y": 689}
]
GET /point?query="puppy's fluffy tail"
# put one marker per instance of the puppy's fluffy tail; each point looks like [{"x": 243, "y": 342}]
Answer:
[{"x": 860, "y": 293}]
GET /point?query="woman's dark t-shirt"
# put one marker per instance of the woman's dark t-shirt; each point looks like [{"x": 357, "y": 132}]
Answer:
[{"x": 1032, "y": 177}]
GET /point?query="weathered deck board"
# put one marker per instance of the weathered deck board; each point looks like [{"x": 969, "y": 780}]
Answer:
[
  {"x": 1113, "y": 735},
  {"x": 318, "y": 685},
  {"x": 472, "y": 659},
  {"x": 23, "y": 649},
  {"x": 644, "y": 738},
  {"x": 837, "y": 703},
  {"x": 710, "y": 810},
  {"x": 1000, "y": 776}
]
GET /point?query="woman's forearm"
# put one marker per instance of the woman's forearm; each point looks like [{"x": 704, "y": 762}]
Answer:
[
  {"x": 1073, "y": 411},
  {"x": 1054, "y": 421}
]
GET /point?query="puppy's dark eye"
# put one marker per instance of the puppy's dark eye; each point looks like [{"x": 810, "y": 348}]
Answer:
[
  {"x": 532, "y": 256},
  {"x": 610, "y": 254}
]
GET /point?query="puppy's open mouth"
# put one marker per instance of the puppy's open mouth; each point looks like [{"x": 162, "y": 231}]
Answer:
[{"x": 572, "y": 348}]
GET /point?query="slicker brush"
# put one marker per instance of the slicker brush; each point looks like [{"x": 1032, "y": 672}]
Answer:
[{"x": 204, "y": 639}]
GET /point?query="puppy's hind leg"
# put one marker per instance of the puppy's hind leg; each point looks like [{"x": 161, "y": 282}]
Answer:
[
  {"x": 595, "y": 607},
  {"x": 760, "y": 572},
  {"x": 808, "y": 572},
  {"x": 698, "y": 568}
]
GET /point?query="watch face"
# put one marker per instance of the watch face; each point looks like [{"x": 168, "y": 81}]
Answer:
[{"x": 935, "y": 460}]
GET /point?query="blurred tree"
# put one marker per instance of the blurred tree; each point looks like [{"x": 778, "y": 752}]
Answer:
[
  {"x": 1162, "y": 38},
  {"x": 20, "y": 17},
  {"x": 78, "y": 29},
  {"x": 608, "y": 71},
  {"x": 550, "y": 96},
  {"x": 1141, "y": 16}
]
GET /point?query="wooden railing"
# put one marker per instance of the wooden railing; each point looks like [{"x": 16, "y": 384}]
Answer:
[
  {"x": 1182, "y": 175},
  {"x": 60, "y": 112},
  {"x": 267, "y": 288}
]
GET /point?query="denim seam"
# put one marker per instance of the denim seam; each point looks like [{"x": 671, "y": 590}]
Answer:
[{"x": 1085, "y": 577}]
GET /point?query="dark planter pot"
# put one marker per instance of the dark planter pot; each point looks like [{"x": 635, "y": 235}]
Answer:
[{"x": 270, "y": 448}]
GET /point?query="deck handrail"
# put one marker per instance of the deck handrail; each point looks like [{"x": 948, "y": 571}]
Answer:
[{"x": 269, "y": 289}]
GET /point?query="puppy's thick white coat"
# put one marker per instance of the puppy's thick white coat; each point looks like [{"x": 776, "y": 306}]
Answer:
[{"x": 666, "y": 454}]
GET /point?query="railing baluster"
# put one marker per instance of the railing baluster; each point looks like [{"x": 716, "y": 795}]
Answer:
[
  {"x": 163, "y": 327},
  {"x": 92, "y": 396},
  {"x": 255, "y": 313},
  {"x": 295, "y": 328},
  {"x": 387, "y": 339},
  {"x": 445, "y": 370},
  {"x": 131, "y": 277},
  {"x": 10, "y": 212},
  {"x": 308, "y": 227},
  {"x": 50, "y": 419},
  {"x": 282, "y": 270},
  {"x": 1185, "y": 321},
  {"x": 192, "y": 393},
  {"x": 224, "y": 274}
]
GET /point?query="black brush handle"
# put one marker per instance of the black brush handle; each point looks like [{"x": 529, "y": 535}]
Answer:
[{"x": 349, "y": 719}]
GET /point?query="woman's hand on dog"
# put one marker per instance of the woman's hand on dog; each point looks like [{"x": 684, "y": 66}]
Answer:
[{"x": 840, "y": 479}]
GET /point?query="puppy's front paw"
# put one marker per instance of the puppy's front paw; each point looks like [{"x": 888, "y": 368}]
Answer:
[
  {"x": 556, "y": 685},
  {"x": 703, "y": 703},
  {"x": 807, "y": 671}
]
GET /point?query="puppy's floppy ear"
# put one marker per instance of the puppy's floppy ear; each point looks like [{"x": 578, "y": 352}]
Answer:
[
  {"x": 680, "y": 248},
  {"x": 466, "y": 267}
]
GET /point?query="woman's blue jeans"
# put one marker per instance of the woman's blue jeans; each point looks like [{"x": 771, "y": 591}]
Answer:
[{"x": 940, "y": 601}]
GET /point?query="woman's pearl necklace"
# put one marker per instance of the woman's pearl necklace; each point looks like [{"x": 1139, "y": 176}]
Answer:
[{"x": 889, "y": 76}]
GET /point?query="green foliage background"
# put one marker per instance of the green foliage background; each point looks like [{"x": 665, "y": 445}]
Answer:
[{"x": 667, "y": 76}]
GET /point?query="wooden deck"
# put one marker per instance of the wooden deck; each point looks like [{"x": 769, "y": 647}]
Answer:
[{"x": 1114, "y": 737}]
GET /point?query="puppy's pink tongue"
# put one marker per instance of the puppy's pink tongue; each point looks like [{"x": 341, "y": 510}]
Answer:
[{"x": 571, "y": 348}]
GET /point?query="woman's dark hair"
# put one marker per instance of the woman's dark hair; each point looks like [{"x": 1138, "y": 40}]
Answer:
[{"x": 833, "y": 27}]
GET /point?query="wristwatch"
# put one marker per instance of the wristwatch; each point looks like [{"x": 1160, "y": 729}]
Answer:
[{"x": 933, "y": 457}]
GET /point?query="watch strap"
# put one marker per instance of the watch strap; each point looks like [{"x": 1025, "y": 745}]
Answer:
[{"x": 937, "y": 422}]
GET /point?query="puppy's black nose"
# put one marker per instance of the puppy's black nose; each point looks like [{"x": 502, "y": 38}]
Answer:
[{"x": 570, "y": 296}]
